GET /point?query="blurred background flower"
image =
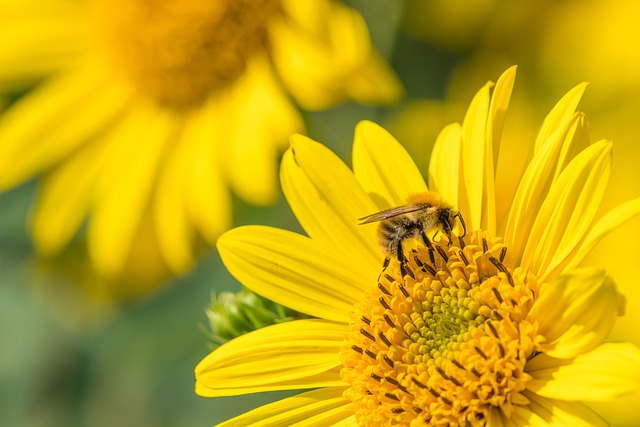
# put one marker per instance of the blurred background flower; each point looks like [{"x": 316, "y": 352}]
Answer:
[
  {"x": 134, "y": 365},
  {"x": 147, "y": 113}
]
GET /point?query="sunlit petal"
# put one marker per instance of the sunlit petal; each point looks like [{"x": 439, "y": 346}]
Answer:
[
  {"x": 444, "y": 166},
  {"x": 609, "y": 222},
  {"x": 538, "y": 178},
  {"x": 566, "y": 214},
  {"x": 383, "y": 167},
  {"x": 606, "y": 372},
  {"x": 287, "y": 356},
  {"x": 576, "y": 312},
  {"x": 325, "y": 406},
  {"x": 292, "y": 270},
  {"x": 327, "y": 200},
  {"x": 552, "y": 412},
  {"x": 473, "y": 155}
]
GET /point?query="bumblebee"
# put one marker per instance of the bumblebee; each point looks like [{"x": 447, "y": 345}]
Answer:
[{"x": 422, "y": 213}]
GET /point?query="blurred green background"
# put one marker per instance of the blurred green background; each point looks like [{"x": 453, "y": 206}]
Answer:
[{"x": 66, "y": 361}]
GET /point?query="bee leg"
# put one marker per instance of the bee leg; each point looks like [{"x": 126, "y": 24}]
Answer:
[
  {"x": 385, "y": 264},
  {"x": 401, "y": 259},
  {"x": 447, "y": 231},
  {"x": 429, "y": 246}
]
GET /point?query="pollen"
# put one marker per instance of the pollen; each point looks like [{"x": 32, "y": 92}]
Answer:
[
  {"x": 176, "y": 53},
  {"x": 446, "y": 343}
]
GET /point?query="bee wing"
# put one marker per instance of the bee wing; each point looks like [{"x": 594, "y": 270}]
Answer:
[{"x": 390, "y": 213}]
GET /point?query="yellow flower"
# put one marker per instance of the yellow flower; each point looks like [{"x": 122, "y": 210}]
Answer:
[
  {"x": 151, "y": 111},
  {"x": 481, "y": 330}
]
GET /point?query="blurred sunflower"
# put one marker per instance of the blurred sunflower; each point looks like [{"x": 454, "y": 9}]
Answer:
[
  {"x": 479, "y": 330},
  {"x": 151, "y": 111}
]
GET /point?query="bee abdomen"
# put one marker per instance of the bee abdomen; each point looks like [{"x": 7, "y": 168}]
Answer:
[{"x": 392, "y": 232}]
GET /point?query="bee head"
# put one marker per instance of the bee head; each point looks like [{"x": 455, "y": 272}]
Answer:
[{"x": 447, "y": 217}]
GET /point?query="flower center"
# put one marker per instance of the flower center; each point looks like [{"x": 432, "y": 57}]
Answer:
[
  {"x": 446, "y": 343},
  {"x": 179, "y": 52}
]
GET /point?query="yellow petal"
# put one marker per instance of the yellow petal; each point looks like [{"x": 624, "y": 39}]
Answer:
[
  {"x": 383, "y": 167},
  {"x": 172, "y": 225},
  {"x": 125, "y": 187},
  {"x": 323, "y": 54},
  {"x": 602, "y": 374},
  {"x": 66, "y": 195},
  {"x": 322, "y": 407},
  {"x": 473, "y": 158},
  {"x": 293, "y": 270},
  {"x": 552, "y": 412},
  {"x": 206, "y": 195},
  {"x": 536, "y": 181},
  {"x": 559, "y": 116},
  {"x": 374, "y": 82},
  {"x": 576, "y": 312},
  {"x": 286, "y": 356},
  {"x": 44, "y": 38},
  {"x": 38, "y": 130},
  {"x": 495, "y": 418},
  {"x": 327, "y": 200},
  {"x": 609, "y": 222},
  {"x": 497, "y": 112},
  {"x": 568, "y": 210},
  {"x": 575, "y": 140},
  {"x": 263, "y": 118},
  {"x": 495, "y": 124},
  {"x": 444, "y": 166}
]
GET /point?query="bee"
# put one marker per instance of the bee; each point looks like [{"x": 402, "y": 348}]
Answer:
[{"x": 423, "y": 212}]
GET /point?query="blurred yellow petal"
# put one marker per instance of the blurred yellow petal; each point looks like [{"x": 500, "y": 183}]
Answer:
[
  {"x": 263, "y": 119},
  {"x": 42, "y": 117},
  {"x": 206, "y": 196},
  {"x": 124, "y": 190},
  {"x": 323, "y": 54},
  {"x": 206, "y": 70},
  {"x": 66, "y": 196},
  {"x": 287, "y": 356},
  {"x": 327, "y": 200},
  {"x": 173, "y": 226},
  {"x": 45, "y": 37},
  {"x": 323, "y": 407},
  {"x": 292, "y": 270},
  {"x": 576, "y": 312},
  {"x": 444, "y": 166},
  {"x": 383, "y": 167},
  {"x": 375, "y": 82},
  {"x": 603, "y": 374},
  {"x": 566, "y": 215}
]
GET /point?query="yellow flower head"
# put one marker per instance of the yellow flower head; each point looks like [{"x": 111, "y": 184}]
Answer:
[
  {"x": 496, "y": 326},
  {"x": 151, "y": 109}
]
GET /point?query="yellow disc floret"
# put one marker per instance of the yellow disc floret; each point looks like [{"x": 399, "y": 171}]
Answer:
[
  {"x": 178, "y": 52},
  {"x": 446, "y": 342}
]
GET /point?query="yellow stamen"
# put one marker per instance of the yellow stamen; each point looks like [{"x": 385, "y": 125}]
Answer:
[
  {"x": 444, "y": 344},
  {"x": 178, "y": 52}
]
